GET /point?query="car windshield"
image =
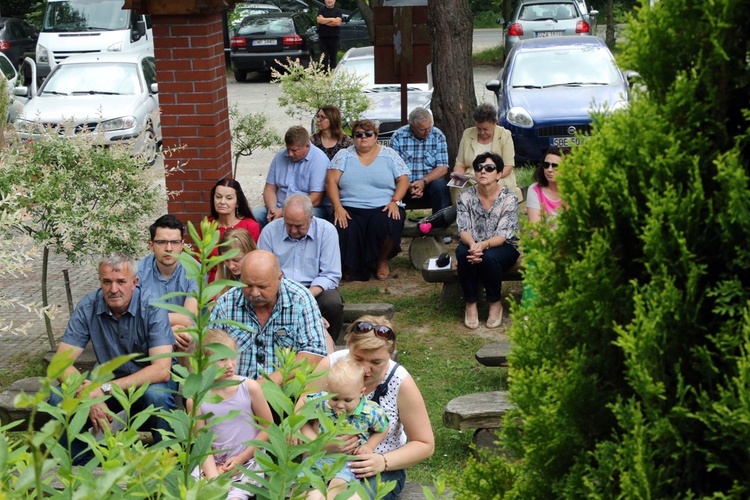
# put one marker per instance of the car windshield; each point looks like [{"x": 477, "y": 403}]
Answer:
[
  {"x": 539, "y": 11},
  {"x": 82, "y": 79},
  {"x": 75, "y": 15},
  {"x": 266, "y": 26},
  {"x": 565, "y": 67}
]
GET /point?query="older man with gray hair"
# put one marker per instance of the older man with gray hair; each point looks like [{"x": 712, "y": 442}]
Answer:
[
  {"x": 424, "y": 149},
  {"x": 308, "y": 251},
  {"x": 119, "y": 319}
]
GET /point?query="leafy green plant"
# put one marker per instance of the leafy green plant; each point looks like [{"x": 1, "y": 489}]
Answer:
[
  {"x": 306, "y": 89},
  {"x": 250, "y": 132},
  {"x": 78, "y": 199}
]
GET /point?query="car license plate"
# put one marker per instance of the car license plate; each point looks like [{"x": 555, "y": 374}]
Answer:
[
  {"x": 264, "y": 41},
  {"x": 543, "y": 34},
  {"x": 384, "y": 142},
  {"x": 566, "y": 142}
]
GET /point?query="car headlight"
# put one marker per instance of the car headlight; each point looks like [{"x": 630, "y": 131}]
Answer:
[
  {"x": 115, "y": 47},
  {"x": 41, "y": 54},
  {"x": 122, "y": 123},
  {"x": 28, "y": 127},
  {"x": 519, "y": 117}
]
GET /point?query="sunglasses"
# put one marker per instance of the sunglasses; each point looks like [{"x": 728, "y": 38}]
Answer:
[
  {"x": 381, "y": 331},
  {"x": 547, "y": 165},
  {"x": 487, "y": 167},
  {"x": 366, "y": 133}
]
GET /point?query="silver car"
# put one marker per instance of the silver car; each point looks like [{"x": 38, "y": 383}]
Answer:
[
  {"x": 112, "y": 95},
  {"x": 545, "y": 18}
]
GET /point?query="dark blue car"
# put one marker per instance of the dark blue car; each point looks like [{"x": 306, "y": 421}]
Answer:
[{"x": 548, "y": 88}]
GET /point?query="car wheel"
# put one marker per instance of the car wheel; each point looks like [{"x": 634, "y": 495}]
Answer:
[
  {"x": 150, "y": 149},
  {"x": 240, "y": 75}
]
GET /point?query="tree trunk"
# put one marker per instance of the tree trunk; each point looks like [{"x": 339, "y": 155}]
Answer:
[
  {"x": 609, "y": 38},
  {"x": 454, "y": 99},
  {"x": 366, "y": 8},
  {"x": 45, "y": 301}
]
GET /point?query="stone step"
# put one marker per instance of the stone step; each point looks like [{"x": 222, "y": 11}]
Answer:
[
  {"x": 481, "y": 410},
  {"x": 9, "y": 413},
  {"x": 354, "y": 311},
  {"x": 494, "y": 354}
]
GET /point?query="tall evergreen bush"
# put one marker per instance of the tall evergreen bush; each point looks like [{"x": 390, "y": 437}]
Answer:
[{"x": 631, "y": 367}]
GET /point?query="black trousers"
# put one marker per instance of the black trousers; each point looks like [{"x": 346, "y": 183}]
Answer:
[{"x": 329, "y": 46}]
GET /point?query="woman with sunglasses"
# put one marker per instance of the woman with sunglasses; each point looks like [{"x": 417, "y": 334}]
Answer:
[
  {"x": 543, "y": 196},
  {"x": 330, "y": 137},
  {"x": 487, "y": 229},
  {"x": 371, "y": 341},
  {"x": 487, "y": 137},
  {"x": 365, "y": 184}
]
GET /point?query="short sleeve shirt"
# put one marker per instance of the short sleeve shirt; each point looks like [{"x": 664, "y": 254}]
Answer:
[
  {"x": 140, "y": 328},
  {"x": 152, "y": 280},
  {"x": 329, "y": 31},
  {"x": 500, "y": 220},
  {"x": 367, "y": 418},
  {"x": 420, "y": 155},
  {"x": 304, "y": 177}
]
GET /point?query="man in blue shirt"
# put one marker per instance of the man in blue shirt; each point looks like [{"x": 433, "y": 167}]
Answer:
[
  {"x": 118, "y": 320},
  {"x": 299, "y": 168},
  {"x": 276, "y": 312},
  {"x": 161, "y": 273},
  {"x": 425, "y": 151},
  {"x": 308, "y": 251}
]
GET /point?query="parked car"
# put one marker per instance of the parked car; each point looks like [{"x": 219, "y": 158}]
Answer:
[
  {"x": 353, "y": 31},
  {"x": 547, "y": 18},
  {"x": 9, "y": 73},
  {"x": 17, "y": 39},
  {"x": 243, "y": 9},
  {"x": 113, "y": 95},
  {"x": 264, "y": 39},
  {"x": 548, "y": 88},
  {"x": 386, "y": 98}
]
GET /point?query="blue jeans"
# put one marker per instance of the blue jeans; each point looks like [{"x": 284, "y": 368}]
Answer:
[
  {"x": 495, "y": 260},
  {"x": 392, "y": 475},
  {"x": 158, "y": 395}
]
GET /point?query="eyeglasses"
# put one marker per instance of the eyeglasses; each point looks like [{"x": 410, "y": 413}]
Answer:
[
  {"x": 321, "y": 117},
  {"x": 547, "y": 165},
  {"x": 260, "y": 355},
  {"x": 163, "y": 243},
  {"x": 364, "y": 133},
  {"x": 381, "y": 331},
  {"x": 487, "y": 167}
]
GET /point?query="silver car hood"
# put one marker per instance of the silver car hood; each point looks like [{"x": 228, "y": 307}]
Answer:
[{"x": 80, "y": 108}]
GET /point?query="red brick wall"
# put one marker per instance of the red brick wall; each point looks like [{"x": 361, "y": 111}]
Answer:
[{"x": 191, "y": 72}]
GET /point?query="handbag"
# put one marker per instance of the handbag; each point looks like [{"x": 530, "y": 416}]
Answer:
[{"x": 442, "y": 218}]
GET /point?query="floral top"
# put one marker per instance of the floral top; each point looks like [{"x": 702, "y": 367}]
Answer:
[
  {"x": 500, "y": 220},
  {"x": 343, "y": 143}
]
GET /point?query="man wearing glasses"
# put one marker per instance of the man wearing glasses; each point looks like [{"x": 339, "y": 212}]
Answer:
[{"x": 161, "y": 273}]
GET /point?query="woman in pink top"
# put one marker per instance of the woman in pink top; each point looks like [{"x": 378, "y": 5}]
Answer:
[
  {"x": 543, "y": 196},
  {"x": 230, "y": 209}
]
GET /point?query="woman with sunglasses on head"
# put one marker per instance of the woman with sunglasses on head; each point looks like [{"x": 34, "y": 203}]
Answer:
[
  {"x": 365, "y": 184},
  {"x": 543, "y": 196},
  {"x": 371, "y": 341},
  {"x": 487, "y": 229},
  {"x": 487, "y": 137},
  {"x": 330, "y": 137}
]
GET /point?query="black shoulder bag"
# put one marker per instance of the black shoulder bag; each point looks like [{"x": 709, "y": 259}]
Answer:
[{"x": 382, "y": 388}]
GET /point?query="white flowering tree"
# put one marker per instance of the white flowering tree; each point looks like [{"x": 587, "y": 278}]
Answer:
[
  {"x": 306, "y": 89},
  {"x": 78, "y": 199}
]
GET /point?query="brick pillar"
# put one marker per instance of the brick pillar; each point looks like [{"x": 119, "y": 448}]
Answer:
[{"x": 191, "y": 72}]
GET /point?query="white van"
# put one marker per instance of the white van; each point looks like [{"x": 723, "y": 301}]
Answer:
[{"x": 82, "y": 26}]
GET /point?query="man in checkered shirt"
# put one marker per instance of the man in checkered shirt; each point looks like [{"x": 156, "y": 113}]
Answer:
[
  {"x": 425, "y": 151},
  {"x": 276, "y": 312}
]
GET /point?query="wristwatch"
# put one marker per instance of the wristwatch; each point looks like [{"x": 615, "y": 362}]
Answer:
[{"x": 107, "y": 388}]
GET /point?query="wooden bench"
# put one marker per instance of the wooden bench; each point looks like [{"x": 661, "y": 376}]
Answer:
[
  {"x": 494, "y": 354},
  {"x": 422, "y": 247},
  {"x": 353, "y": 311},
  {"x": 482, "y": 411},
  {"x": 449, "y": 278}
]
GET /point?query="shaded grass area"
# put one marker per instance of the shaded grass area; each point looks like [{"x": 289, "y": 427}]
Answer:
[
  {"x": 439, "y": 353},
  {"x": 489, "y": 57},
  {"x": 19, "y": 367}
]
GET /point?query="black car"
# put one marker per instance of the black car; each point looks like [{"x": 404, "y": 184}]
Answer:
[
  {"x": 17, "y": 39},
  {"x": 353, "y": 32},
  {"x": 264, "y": 39}
]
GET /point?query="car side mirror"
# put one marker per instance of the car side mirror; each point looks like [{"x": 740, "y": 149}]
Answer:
[
  {"x": 500, "y": 20},
  {"x": 22, "y": 91},
  {"x": 593, "y": 13},
  {"x": 139, "y": 31},
  {"x": 345, "y": 18},
  {"x": 154, "y": 88},
  {"x": 493, "y": 85}
]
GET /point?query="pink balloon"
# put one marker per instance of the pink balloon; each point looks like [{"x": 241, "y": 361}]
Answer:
[{"x": 425, "y": 227}]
